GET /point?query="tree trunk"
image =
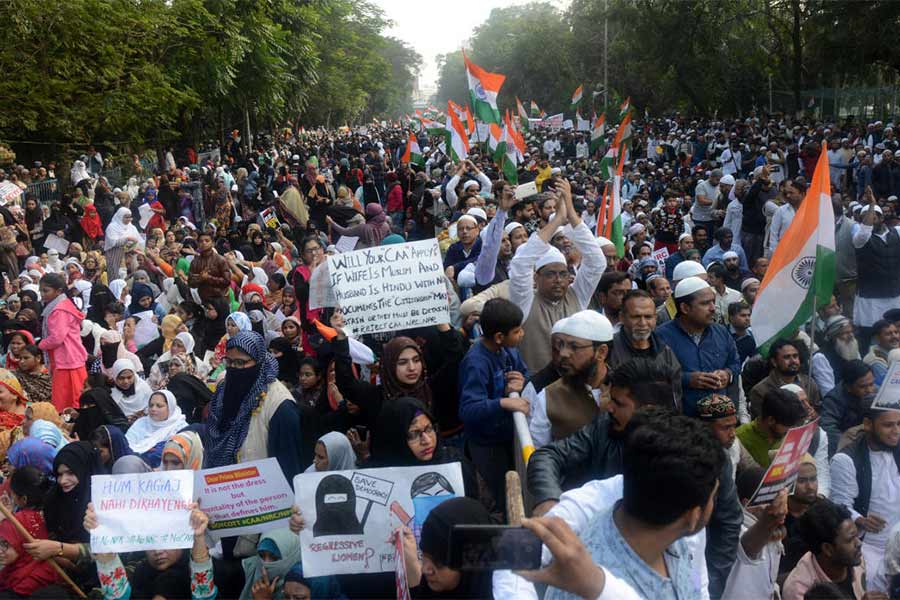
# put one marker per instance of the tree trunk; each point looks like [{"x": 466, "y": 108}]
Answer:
[{"x": 797, "y": 62}]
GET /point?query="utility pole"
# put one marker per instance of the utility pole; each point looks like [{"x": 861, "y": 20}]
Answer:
[
  {"x": 770, "y": 96},
  {"x": 605, "y": 54}
]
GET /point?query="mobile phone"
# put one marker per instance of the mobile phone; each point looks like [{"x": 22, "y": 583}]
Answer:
[
  {"x": 493, "y": 547},
  {"x": 525, "y": 190}
]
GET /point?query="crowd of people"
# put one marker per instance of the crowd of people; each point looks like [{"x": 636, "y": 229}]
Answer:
[{"x": 167, "y": 325}]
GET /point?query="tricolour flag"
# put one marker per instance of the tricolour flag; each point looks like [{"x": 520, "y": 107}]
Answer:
[
  {"x": 494, "y": 140},
  {"x": 433, "y": 127},
  {"x": 613, "y": 230},
  {"x": 508, "y": 151},
  {"x": 576, "y": 95},
  {"x": 460, "y": 112},
  {"x": 535, "y": 109},
  {"x": 523, "y": 114},
  {"x": 413, "y": 154},
  {"x": 483, "y": 89},
  {"x": 625, "y": 108},
  {"x": 457, "y": 140},
  {"x": 801, "y": 271},
  {"x": 598, "y": 133}
]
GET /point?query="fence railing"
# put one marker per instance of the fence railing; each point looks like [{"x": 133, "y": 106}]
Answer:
[{"x": 47, "y": 191}]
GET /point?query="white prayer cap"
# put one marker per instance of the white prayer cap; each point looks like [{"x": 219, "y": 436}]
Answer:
[
  {"x": 877, "y": 209},
  {"x": 688, "y": 286},
  {"x": 604, "y": 241},
  {"x": 555, "y": 171},
  {"x": 551, "y": 257},
  {"x": 588, "y": 325},
  {"x": 512, "y": 227},
  {"x": 792, "y": 387},
  {"x": 467, "y": 217},
  {"x": 687, "y": 268},
  {"x": 558, "y": 326},
  {"x": 477, "y": 212},
  {"x": 726, "y": 180},
  {"x": 748, "y": 282},
  {"x": 559, "y": 230},
  {"x": 730, "y": 254},
  {"x": 469, "y": 184},
  {"x": 635, "y": 229},
  {"x": 683, "y": 237}
]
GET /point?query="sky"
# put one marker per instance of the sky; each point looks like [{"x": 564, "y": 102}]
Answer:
[{"x": 435, "y": 27}]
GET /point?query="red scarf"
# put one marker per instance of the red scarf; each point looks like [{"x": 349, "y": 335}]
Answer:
[{"x": 26, "y": 575}]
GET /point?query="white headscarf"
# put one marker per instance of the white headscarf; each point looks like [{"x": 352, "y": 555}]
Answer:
[
  {"x": 137, "y": 401},
  {"x": 187, "y": 341},
  {"x": 116, "y": 286},
  {"x": 54, "y": 264},
  {"x": 146, "y": 433},
  {"x": 118, "y": 230},
  {"x": 341, "y": 456},
  {"x": 78, "y": 172}
]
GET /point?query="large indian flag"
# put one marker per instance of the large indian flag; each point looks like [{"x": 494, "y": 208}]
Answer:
[
  {"x": 457, "y": 140},
  {"x": 801, "y": 271},
  {"x": 413, "y": 154},
  {"x": 598, "y": 132},
  {"x": 483, "y": 89}
]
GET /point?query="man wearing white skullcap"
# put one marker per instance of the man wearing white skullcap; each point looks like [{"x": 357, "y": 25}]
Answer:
[
  {"x": 466, "y": 250},
  {"x": 470, "y": 188},
  {"x": 683, "y": 270},
  {"x": 609, "y": 252},
  {"x": 705, "y": 349},
  {"x": 877, "y": 254},
  {"x": 565, "y": 406},
  {"x": 685, "y": 243},
  {"x": 540, "y": 283},
  {"x": 492, "y": 265}
]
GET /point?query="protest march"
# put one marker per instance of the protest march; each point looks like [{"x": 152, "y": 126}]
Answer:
[{"x": 464, "y": 350}]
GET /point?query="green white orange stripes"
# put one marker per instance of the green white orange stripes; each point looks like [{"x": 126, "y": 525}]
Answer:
[
  {"x": 457, "y": 139},
  {"x": 523, "y": 114},
  {"x": 598, "y": 132},
  {"x": 483, "y": 89},
  {"x": 413, "y": 154},
  {"x": 801, "y": 271},
  {"x": 577, "y": 94}
]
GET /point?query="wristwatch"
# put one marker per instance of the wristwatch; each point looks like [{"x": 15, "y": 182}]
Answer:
[{"x": 60, "y": 549}]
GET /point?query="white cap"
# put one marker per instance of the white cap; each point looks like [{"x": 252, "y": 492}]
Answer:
[
  {"x": 469, "y": 184},
  {"x": 512, "y": 226},
  {"x": 792, "y": 387},
  {"x": 687, "y": 268},
  {"x": 467, "y": 217},
  {"x": 688, "y": 286},
  {"x": 683, "y": 237},
  {"x": 477, "y": 212},
  {"x": 726, "y": 180},
  {"x": 558, "y": 326},
  {"x": 604, "y": 241},
  {"x": 551, "y": 257},
  {"x": 748, "y": 282},
  {"x": 730, "y": 254},
  {"x": 877, "y": 209},
  {"x": 587, "y": 325}
]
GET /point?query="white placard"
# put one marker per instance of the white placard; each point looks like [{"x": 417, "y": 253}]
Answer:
[
  {"x": 661, "y": 255},
  {"x": 146, "y": 213},
  {"x": 54, "y": 242},
  {"x": 888, "y": 397},
  {"x": 567, "y": 124},
  {"x": 142, "y": 511},
  {"x": 388, "y": 288},
  {"x": 246, "y": 498},
  {"x": 9, "y": 192},
  {"x": 349, "y": 515},
  {"x": 346, "y": 243},
  {"x": 554, "y": 122},
  {"x": 320, "y": 293}
]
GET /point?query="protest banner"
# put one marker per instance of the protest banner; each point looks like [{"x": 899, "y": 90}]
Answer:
[
  {"x": 661, "y": 255},
  {"x": 162, "y": 500},
  {"x": 145, "y": 213},
  {"x": 346, "y": 243},
  {"x": 320, "y": 293},
  {"x": 269, "y": 218},
  {"x": 9, "y": 192},
  {"x": 888, "y": 397},
  {"x": 54, "y": 242},
  {"x": 350, "y": 514},
  {"x": 568, "y": 124},
  {"x": 782, "y": 472},
  {"x": 554, "y": 122},
  {"x": 386, "y": 288},
  {"x": 247, "y": 498}
]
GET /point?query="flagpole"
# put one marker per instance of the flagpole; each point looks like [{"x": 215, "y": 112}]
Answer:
[{"x": 812, "y": 342}]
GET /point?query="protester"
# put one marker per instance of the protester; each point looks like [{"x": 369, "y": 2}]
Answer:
[{"x": 61, "y": 339}]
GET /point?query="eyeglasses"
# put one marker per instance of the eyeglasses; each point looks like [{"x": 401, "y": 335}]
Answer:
[
  {"x": 238, "y": 363},
  {"x": 560, "y": 345},
  {"x": 558, "y": 275},
  {"x": 415, "y": 435}
]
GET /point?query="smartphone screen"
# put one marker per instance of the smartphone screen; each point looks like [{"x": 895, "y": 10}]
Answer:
[{"x": 493, "y": 547}]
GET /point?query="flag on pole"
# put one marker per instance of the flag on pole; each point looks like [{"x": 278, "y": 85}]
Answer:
[
  {"x": 598, "y": 133},
  {"x": 457, "y": 140},
  {"x": 543, "y": 114},
  {"x": 535, "y": 109},
  {"x": 577, "y": 94},
  {"x": 483, "y": 89},
  {"x": 523, "y": 115},
  {"x": 509, "y": 159},
  {"x": 433, "y": 127},
  {"x": 470, "y": 122},
  {"x": 801, "y": 271},
  {"x": 625, "y": 108},
  {"x": 460, "y": 112},
  {"x": 494, "y": 140},
  {"x": 413, "y": 154},
  {"x": 602, "y": 211},
  {"x": 613, "y": 229}
]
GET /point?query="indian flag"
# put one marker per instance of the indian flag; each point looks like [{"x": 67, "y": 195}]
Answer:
[
  {"x": 413, "y": 154},
  {"x": 577, "y": 94},
  {"x": 523, "y": 115},
  {"x": 625, "y": 108},
  {"x": 494, "y": 140},
  {"x": 509, "y": 158},
  {"x": 613, "y": 229},
  {"x": 457, "y": 140},
  {"x": 598, "y": 133},
  {"x": 801, "y": 271},
  {"x": 535, "y": 109},
  {"x": 460, "y": 112},
  {"x": 483, "y": 89},
  {"x": 433, "y": 127}
]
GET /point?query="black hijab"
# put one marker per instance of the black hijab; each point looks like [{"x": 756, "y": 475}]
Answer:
[
  {"x": 214, "y": 329},
  {"x": 101, "y": 297},
  {"x": 174, "y": 582},
  {"x": 389, "y": 443},
  {"x": 191, "y": 395},
  {"x": 64, "y": 512},
  {"x": 288, "y": 362},
  {"x": 97, "y": 409}
]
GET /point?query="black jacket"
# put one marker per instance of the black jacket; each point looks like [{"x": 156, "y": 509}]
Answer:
[{"x": 591, "y": 453}]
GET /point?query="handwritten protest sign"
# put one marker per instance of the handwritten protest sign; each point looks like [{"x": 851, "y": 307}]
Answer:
[
  {"x": 269, "y": 218},
  {"x": 661, "y": 255},
  {"x": 320, "y": 293},
  {"x": 162, "y": 501},
  {"x": 346, "y": 243},
  {"x": 350, "y": 514},
  {"x": 9, "y": 192},
  {"x": 54, "y": 242},
  {"x": 392, "y": 287},
  {"x": 782, "y": 473},
  {"x": 247, "y": 498},
  {"x": 888, "y": 397},
  {"x": 554, "y": 122}
]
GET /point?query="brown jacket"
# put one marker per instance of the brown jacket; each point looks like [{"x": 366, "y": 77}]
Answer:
[{"x": 218, "y": 275}]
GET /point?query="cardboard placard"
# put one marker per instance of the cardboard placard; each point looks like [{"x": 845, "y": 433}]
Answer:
[
  {"x": 388, "y": 288},
  {"x": 54, "y": 242},
  {"x": 350, "y": 515},
  {"x": 162, "y": 499},
  {"x": 888, "y": 397},
  {"x": 782, "y": 473}
]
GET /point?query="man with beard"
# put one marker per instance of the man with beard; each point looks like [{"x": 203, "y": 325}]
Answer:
[
  {"x": 701, "y": 239},
  {"x": 568, "y": 404},
  {"x": 843, "y": 406},
  {"x": 806, "y": 493},
  {"x": 780, "y": 411},
  {"x": 739, "y": 326},
  {"x": 784, "y": 364},
  {"x": 867, "y": 483},
  {"x": 685, "y": 243},
  {"x": 610, "y": 291},
  {"x": 840, "y": 345},
  {"x": 834, "y": 556},
  {"x": 878, "y": 248},
  {"x": 595, "y": 452},
  {"x": 688, "y": 268},
  {"x": 637, "y": 339},
  {"x": 659, "y": 288},
  {"x": 749, "y": 289},
  {"x": 885, "y": 338},
  {"x": 716, "y": 253},
  {"x": 734, "y": 274}
]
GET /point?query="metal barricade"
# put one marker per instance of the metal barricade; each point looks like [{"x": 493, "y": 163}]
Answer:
[
  {"x": 113, "y": 176},
  {"x": 46, "y": 191}
]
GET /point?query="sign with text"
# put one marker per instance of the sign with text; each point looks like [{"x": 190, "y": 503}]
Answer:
[
  {"x": 350, "y": 515},
  {"x": 782, "y": 472},
  {"x": 161, "y": 500},
  {"x": 247, "y": 498},
  {"x": 661, "y": 255},
  {"x": 9, "y": 192},
  {"x": 386, "y": 288},
  {"x": 888, "y": 397}
]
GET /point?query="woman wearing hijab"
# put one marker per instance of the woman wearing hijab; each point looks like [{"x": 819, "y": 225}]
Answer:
[
  {"x": 31, "y": 451},
  {"x": 179, "y": 358},
  {"x": 129, "y": 391},
  {"x": 333, "y": 453},
  {"x": 370, "y": 233},
  {"x": 151, "y": 353},
  {"x": 95, "y": 269},
  {"x": 277, "y": 551},
  {"x": 97, "y": 408},
  {"x": 292, "y": 332},
  {"x": 212, "y": 327},
  {"x": 12, "y": 401},
  {"x": 48, "y": 433},
  {"x": 183, "y": 451},
  {"x": 148, "y": 435},
  {"x": 235, "y": 322},
  {"x": 187, "y": 382},
  {"x": 289, "y": 305},
  {"x": 16, "y": 341},
  {"x": 27, "y": 320},
  {"x": 252, "y": 415},
  {"x": 120, "y": 234},
  {"x": 111, "y": 444},
  {"x": 288, "y": 361},
  {"x": 431, "y": 577},
  {"x": 142, "y": 300},
  {"x": 34, "y": 220},
  {"x": 112, "y": 349}
]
